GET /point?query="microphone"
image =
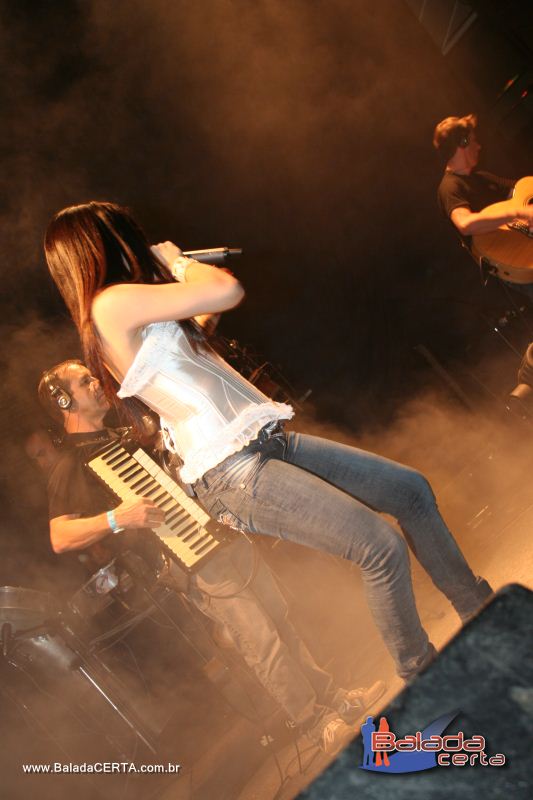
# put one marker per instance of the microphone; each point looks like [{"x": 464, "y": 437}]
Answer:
[{"x": 215, "y": 255}]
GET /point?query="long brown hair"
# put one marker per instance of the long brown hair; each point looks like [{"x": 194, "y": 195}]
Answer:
[{"x": 91, "y": 246}]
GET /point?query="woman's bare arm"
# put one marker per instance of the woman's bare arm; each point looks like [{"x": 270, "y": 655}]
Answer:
[
  {"x": 121, "y": 311},
  {"x": 128, "y": 307},
  {"x": 131, "y": 306}
]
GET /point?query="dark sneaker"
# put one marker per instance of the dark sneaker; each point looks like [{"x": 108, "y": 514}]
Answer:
[
  {"x": 420, "y": 664},
  {"x": 356, "y": 702},
  {"x": 484, "y": 592}
]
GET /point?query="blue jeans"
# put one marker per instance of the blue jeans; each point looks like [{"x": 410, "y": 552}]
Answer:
[
  {"x": 325, "y": 495},
  {"x": 237, "y": 589}
]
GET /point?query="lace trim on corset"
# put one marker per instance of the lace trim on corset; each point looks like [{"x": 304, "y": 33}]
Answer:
[
  {"x": 240, "y": 432},
  {"x": 152, "y": 355}
]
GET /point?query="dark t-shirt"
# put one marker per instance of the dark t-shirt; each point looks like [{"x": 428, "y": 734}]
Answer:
[
  {"x": 474, "y": 191},
  {"x": 74, "y": 489}
]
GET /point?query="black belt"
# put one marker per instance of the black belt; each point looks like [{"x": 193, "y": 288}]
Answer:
[{"x": 268, "y": 431}]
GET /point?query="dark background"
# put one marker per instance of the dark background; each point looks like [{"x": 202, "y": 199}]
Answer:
[{"x": 300, "y": 131}]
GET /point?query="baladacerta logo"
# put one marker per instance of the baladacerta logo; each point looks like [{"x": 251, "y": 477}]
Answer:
[{"x": 383, "y": 751}]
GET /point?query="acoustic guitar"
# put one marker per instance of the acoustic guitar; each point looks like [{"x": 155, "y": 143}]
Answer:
[{"x": 509, "y": 249}]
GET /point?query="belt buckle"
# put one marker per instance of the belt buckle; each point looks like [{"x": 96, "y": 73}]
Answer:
[{"x": 269, "y": 430}]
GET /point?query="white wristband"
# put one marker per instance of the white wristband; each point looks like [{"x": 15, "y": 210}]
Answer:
[{"x": 179, "y": 268}]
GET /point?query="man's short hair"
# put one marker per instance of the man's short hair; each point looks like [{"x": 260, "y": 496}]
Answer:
[
  {"x": 55, "y": 378},
  {"x": 453, "y": 132}
]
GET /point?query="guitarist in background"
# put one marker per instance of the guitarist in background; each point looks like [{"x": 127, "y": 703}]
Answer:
[
  {"x": 246, "y": 603},
  {"x": 465, "y": 193}
]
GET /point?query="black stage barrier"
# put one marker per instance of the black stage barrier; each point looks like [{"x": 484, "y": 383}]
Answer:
[{"x": 485, "y": 675}]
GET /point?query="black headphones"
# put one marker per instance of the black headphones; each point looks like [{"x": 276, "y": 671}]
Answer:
[{"x": 60, "y": 395}]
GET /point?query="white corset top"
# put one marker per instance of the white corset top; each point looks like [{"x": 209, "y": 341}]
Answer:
[{"x": 207, "y": 409}]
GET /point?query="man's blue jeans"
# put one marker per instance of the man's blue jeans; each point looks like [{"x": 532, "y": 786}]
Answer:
[
  {"x": 325, "y": 495},
  {"x": 237, "y": 589}
]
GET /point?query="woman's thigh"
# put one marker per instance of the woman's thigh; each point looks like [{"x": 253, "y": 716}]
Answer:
[
  {"x": 378, "y": 482},
  {"x": 283, "y": 500}
]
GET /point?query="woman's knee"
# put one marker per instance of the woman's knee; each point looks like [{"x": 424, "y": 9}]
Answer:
[
  {"x": 396, "y": 559},
  {"x": 420, "y": 493},
  {"x": 386, "y": 551}
]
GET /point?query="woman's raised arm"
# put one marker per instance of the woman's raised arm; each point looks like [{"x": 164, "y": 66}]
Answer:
[{"x": 205, "y": 290}]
